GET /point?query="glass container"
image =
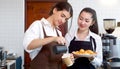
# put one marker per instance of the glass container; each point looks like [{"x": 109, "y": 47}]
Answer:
[{"x": 109, "y": 25}]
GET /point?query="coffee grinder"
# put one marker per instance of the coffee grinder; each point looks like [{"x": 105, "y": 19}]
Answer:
[{"x": 108, "y": 39}]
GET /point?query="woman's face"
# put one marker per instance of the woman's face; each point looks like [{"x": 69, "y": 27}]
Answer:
[
  {"x": 60, "y": 17},
  {"x": 85, "y": 20}
]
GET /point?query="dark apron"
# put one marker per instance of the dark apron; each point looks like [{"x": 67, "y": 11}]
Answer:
[
  {"x": 46, "y": 58},
  {"x": 82, "y": 62}
]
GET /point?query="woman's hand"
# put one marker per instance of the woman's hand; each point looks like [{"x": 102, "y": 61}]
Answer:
[
  {"x": 60, "y": 40},
  {"x": 72, "y": 57},
  {"x": 91, "y": 58}
]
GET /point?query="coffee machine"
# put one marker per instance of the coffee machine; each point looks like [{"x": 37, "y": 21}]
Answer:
[{"x": 111, "y": 44}]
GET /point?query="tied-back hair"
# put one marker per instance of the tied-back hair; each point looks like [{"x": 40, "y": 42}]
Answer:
[
  {"x": 94, "y": 27},
  {"x": 62, "y": 6}
]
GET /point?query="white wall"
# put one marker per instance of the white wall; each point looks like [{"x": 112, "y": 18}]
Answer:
[
  {"x": 108, "y": 10},
  {"x": 12, "y": 26}
]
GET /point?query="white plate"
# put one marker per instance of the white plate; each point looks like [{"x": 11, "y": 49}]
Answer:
[{"x": 85, "y": 55}]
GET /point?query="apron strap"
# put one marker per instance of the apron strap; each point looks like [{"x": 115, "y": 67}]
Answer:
[
  {"x": 94, "y": 43},
  {"x": 57, "y": 32},
  {"x": 45, "y": 32}
]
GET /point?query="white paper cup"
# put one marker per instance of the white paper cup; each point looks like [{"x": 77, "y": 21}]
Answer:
[{"x": 67, "y": 60}]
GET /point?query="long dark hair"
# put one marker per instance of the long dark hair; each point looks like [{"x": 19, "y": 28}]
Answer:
[
  {"x": 94, "y": 27},
  {"x": 62, "y": 6}
]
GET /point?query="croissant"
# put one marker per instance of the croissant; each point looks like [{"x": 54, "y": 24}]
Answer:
[{"x": 82, "y": 51}]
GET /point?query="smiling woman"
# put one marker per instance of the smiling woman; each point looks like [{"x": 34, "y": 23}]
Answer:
[{"x": 47, "y": 26}]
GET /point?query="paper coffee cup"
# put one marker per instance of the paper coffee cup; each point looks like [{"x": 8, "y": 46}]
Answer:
[{"x": 67, "y": 60}]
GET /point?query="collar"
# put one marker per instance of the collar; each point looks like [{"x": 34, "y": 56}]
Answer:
[
  {"x": 88, "y": 36},
  {"x": 46, "y": 22}
]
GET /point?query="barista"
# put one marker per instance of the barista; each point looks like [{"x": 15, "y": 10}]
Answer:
[
  {"x": 43, "y": 34},
  {"x": 85, "y": 37}
]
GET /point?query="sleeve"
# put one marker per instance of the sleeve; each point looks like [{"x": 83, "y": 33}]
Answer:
[
  {"x": 33, "y": 32},
  {"x": 68, "y": 38},
  {"x": 98, "y": 59}
]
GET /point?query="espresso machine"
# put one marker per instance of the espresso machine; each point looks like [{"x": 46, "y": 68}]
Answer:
[
  {"x": 109, "y": 42},
  {"x": 111, "y": 45}
]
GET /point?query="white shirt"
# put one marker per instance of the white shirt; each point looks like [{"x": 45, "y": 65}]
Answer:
[
  {"x": 35, "y": 31},
  {"x": 98, "y": 59}
]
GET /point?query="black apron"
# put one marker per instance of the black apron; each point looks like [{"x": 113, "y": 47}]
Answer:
[{"x": 82, "y": 62}]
